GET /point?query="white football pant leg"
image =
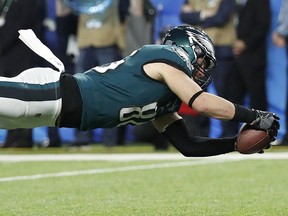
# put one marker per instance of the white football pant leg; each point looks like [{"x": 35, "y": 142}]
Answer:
[{"x": 20, "y": 109}]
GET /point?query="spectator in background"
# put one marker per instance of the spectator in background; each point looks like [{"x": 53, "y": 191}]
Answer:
[
  {"x": 280, "y": 34},
  {"x": 139, "y": 25},
  {"x": 66, "y": 27},
  {"x": 249, "y": 75},
  {"x": 217, "y": 19},
  {"x": 279, "y": 38},
  {"x": 60, "y": 23},
  {"x": 101, "y": 40},
  {"x": 16, "y": 15},
  {"x": 138, "y": 32}
]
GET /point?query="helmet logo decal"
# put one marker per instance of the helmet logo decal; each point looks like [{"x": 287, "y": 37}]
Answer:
[
  {"x": 200, "y": 40},
  {"x": 183, "y": 55}
]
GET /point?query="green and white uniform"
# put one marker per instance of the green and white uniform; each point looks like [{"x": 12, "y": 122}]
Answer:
[
  {"x": 121, "y": 93},
  {"x": 112, "y": 95}
]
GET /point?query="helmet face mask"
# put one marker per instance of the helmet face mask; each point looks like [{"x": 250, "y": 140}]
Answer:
[
  {"x": 197, "y": 45},
  {"x": 200, "y": 74}
]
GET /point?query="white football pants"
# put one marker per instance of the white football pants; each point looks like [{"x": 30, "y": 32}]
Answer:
[{"x": 31, "y": 99}]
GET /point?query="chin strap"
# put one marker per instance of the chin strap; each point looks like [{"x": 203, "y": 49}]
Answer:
[{"x": 31, "y": 40}]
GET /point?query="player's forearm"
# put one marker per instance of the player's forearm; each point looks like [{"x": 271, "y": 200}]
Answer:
[
  {"x": 192, "y": 146},
  {"x": 219, "y": 108},
  {"x": 213, "y": 106}
]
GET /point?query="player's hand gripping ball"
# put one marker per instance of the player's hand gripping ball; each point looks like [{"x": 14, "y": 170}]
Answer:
[{"x": 251, "y": 140}]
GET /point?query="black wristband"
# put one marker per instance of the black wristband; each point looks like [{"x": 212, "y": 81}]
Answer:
[{"x": 243, "y": 114}]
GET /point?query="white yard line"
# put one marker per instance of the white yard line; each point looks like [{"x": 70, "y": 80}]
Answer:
[
  {"x": 112, "y": 170},
  {"x": 91, "y": 157},
  {"x": 126, "y": 157},
  {"x": 131, "y": 157}
]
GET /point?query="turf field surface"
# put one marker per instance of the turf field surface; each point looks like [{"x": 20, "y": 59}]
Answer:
[{"x": 143, "y": 184}]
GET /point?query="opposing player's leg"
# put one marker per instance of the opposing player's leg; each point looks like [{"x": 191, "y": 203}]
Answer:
[{"x": 30, "y": 99}]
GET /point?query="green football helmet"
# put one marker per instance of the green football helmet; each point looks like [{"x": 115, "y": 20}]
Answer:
[{"x": 198, "y": 45}]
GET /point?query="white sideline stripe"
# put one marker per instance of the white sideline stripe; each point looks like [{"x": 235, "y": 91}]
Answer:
[
  {"x": 13, "y": 158},
  {"x": 92, "y": 157},
  {"x": 125, "y": 157},
  {"x": 115, "y": 169}
]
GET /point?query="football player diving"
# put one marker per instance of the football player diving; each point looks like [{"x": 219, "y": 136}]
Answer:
[{"x": 148, "y": 85}]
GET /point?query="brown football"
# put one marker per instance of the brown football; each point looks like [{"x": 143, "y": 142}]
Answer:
[{"x": 250, "y": 141}]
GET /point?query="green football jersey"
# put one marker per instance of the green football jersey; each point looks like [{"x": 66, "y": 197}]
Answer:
[{"x": 121, "y": 93}]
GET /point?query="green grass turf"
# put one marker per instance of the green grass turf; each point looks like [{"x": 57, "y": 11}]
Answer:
[{"x": 236, "y": 188}]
